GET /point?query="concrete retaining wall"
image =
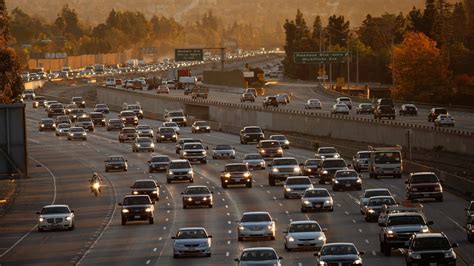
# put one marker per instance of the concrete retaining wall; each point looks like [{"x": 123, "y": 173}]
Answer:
[{"x": 234, "y": 78}]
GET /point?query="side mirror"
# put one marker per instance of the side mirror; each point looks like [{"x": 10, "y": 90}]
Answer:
[
  {"x": 38, "y": 212},
  {"x": 316, "y": 254},
  {"x": 237, "y": 260},
  {"x": 212, "y": 192},
  {"x": 131, "y": 186},
  {"x": 72, "y": 211},
  {"x": 361, "y": 252},
  {"x": 280, "y": 258},
  {"x": 126, "y": 160},
  {"x": 158, "y": 185},
  {"x": 182, "y": 193},
  {"x": 209, "y": 236},
  {"x": 301, "y": 164},
  {"x": 430, "y": 223},
  {"x": 173, "y": 237},
  {"x": 455, "y": 245},
  {"x": 381, "y": 224},
  {"x": 120, "y": 204}
]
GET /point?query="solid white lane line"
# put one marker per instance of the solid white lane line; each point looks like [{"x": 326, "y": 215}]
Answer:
[
  {"x": 360, "y": 230},
  {"x": 230, "y": 232},
  {"x": 228, "y": 242},
  {"x": 160, "y": 238},
  {"x": 155, "y": 249},
  {"x": 353, "y": 221},
  {"x": 227, "y": 254},
  {"x": 374, "y": 253},
  {"x": 346, "y": 212},
  {"x": 367, "y": 241},
  {"x": 148, "y": 262}
]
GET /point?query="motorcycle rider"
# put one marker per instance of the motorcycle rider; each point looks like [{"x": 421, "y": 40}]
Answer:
[{"x": 95, "y": 178}]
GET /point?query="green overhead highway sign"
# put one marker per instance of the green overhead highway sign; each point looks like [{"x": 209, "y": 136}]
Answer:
[
  {"x": 321, "y": 57},
  {"x": 188, "y": 55}
]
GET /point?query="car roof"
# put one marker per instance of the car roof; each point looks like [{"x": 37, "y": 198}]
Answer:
[
  {"x": 258, "y": 248},
  {"x": 179, "y": 160},
  {"x": 363, "y": 152},
  {"x": 304, "y": 222},
  {"x": 229, "y": 164},
  {"x": 380, "y": 197},
  {"x": 296, "y": 177},
  {"x": 197, "y": 187},
  {"x": 333, "y": 159},
  {"x": 253, "y": 127},
  {"x": 422, "y": 173},
  {"x": 339, "y": 243},
  {"x": 136, "y": 196},
  {"x": 56, "y": 205},
  {"x": 145, "y": 180},
  {"x": 405, "y": 214},
  {"x": 284, "y": 158},
  {"x": 250, "y": 213},
  {"x": 318, "y": 189},
  {"x": 376, "y": 189},
  {"x": 191, "y": 228},
  {"x": 427, "y": 235},
  {"x": 115, "y": 155}
]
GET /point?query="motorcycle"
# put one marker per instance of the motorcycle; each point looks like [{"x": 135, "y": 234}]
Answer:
[{"x": 96, "y": 188}]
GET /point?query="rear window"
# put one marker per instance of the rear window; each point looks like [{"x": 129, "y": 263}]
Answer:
[
  {"x": 364, "y": 155},
  {"x": 144, "y": 140},
  {"x": 258, "y": 255},
  {"x": 191, "y": 234},
  {"x": 127, "y": 114},
  {"x": 260, "y": 217},
  {"x": 136, "y": 200},
  {"x": 307, "y": 227},
  {"x": 430, "y": 243},
  {"x": 76, "y": 129},
  {"x": 440, "y": 111},
  {"x": 97, "y": 115},
  {"x": 343, "y": 174},
  {"x": 298, "y": 181},
  {"x": 424, "y": 179},
  {"x": 202, "y": 124},
  {"x": 278, "y": 137},
  {"x": 176, "y": 114},
  {"x": 313, "y": 162}
]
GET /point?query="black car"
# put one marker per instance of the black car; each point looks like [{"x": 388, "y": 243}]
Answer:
[
  {"x": 251, "y": 134},
  {"x": 55, "y": 110},
  {"x": 166, "y": 134},
  {"x": 197, "y": 196},
  {"x": 339, "y": 254},
  {"x": 236, "y": 174},
  {"x": 158, "y": 163},
  {"x": 270, "y": 101},
  {"x": 116, "y": 162},
  {"x": 114, "y": 124},
  {"x": 384, "y": 111},
  {"x": 47, "y": 124},
  {"x": 98, "y": 118},
  {"x": 408, "y": 109},
  {"x": 79, "y": 101},
  {"x": 434, "y": 112},
  {"x": 137, "y": 207},
  {"x": 146, "y": 187},
  {"x": 75, "y": 113},
  {"x": 430, "y": 248},
  {"x": 346, "y": 179},
  {"x": 365, "y": 108},
  {"x": 310, "y": 167},
  {"x": 201, "y": 126}
]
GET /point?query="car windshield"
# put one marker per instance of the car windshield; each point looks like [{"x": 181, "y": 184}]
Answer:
[
  {"x": 167, "y": 130},
  {"x": 127, "y": 114},
  {"x": 375, "y": 193},
  {"x": 285, "y": 162},
  {"x": 338, "y": 250},
  {"x": 252, "y": 157},
  {"x": 115, "y": 121},
  {"x": 144, "y": 140},
  {"x": 305, "y": 227},
  {"x": 298, "y": 181},
  {"x": 258, "y": 255},
  {"x": 176, "y": 114},
  {"x": 170, "y": 124},
  {"x": 256, "y": 217},
  {"x": 440, "y": 111},
  {"x": 364, "y": 155},
  {"x": 197, "y": 190},
  {"x": 313, "y": 162},
  {"x": 143, "y": 127},
  {"x": 144, "y": 184},
  {"x": 101, "y": 106},
  {"x": 430, "y": 243},
  {"x": 129, "y": 130},
  {"x": 278, "y": 137},
  {"x": 381, "y": 201},
  {"x": 134, "y": 107},
  {"x": 193, "y": 146},
  {"x": 76, "y": 129},
  {"x": 136, "y": 200},
  {"x": 269, "y": 144},
  {"x": 253, "y": 130},
  {"x": 236, "y": 168},
  {"x": 116, "y": 159},
  {"x": 327, "y": 150},
  {"x": 387, "y": 157},
  {"x": 76, "y": 99},
  {"x": 223, "y": 147},
  {"x": 334, "y": 164},
  {"x": 343, "y": 174},
  {"x": 313, "y": 101},
  {"x": 365, "y": 106},
  {"x": 316, "y": 193},
  {"x": 40, "y": 98},
  {"x": 179, "y": 165},
  {"x": 83, "y": 119},
  {"x": 400, "y": 220},
  {"x": 429, "y": 178},
  {"x": 55, "y": 210},
  {"x": 160, "y": 159},
  {"x": 202, "y": 124},
  {"x": 97, "y": 115},
  {"x": 188, "y": 234}
]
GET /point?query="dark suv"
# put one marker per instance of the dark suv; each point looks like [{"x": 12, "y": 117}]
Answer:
[
  {"x": 55, "y": 109},
  {"x": 251, "y": 134},
  {"x": 329, "y": 167},
  {"x": 137, "y": 207},
  {"x": 384, "y": 111},
  {"x": 270, "y": 148},
  {"x": 79, "y": 101},
  {"x": 270, "y": 101},
  {"x": 146, "y": 187},
  {"x": 236, "y": 174},
  {"x": 433, "y": 248},
  {"x": 423, "y": 185},
  {"x": 98, "y": 118}
]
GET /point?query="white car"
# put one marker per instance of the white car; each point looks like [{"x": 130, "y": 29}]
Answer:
[
  {"x": 174, "y": 125},
  {"x": 254, "y": 161},
  {"x": 62, "y": 129},
  {"x": 304, "y": 235},
  {"x": 282, "y": 139},
  {"x": 163, "y": 89},
  {"x": 256, "y": 225},
  {"x": 259, "y": 256},
  {"x": 313, "y": 104},
  {"x": 192, "y": 241},
  {"x": 373, "y": 192},
  {"x": 144, "y": 131},
  {"x": 110, "y": 82},
  {"x": 223, "y": 151},
  {"x": 317, "y": 199},
  {"x": 444, "y": 120},
  {"x": 295, "y": 186},
  {"x": 340, "y": 108},
  {"x": 345, "y": 100},
  {"x": 55, "y": 217},
  {"x": 327, "y": 152}
]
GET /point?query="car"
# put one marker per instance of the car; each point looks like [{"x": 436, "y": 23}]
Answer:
[
  {"x": 444, "y": 120},
  {"x": 194, "y": 151},
  {"x": 385, "y": 101},
  {"x": 55, "y": 109},
  {"x": 46, "y": 124},
  {"x": 432, "y": 248},
  {"x": 269, "y": 149},
  {"x": 197, "y": 196},
  {"x": 110, "y": 82},
  {"x": 256, "y": 225},
  {"x": 326, "y": 152},
  {"x": 254, "y": 161},
  {"x": 423, "y": 185},
  {"x": 282, "y": 168},
  {"x": 136, "y": 108},
  {"x": 192, "y": 241},
  {"x": 365, "y": 108},
  {"x": 223, "y": 151},
  {"x": 69, "y": 107},
  {"x": 340, "y": 108},
  {"x": 63, "y": 119},
  {"x": 282, "y": 139},
  {"x": 143, "y": 144},
  {"x": 116, "y": 162},
  {"x": 180, "y": 170},
  {"x": 119, "y": 82},
  {"x": 247, "y": 97},
  {"x": 345, "y": 100},
  {"x": 328, "y": 169},
  {"x": 38, "y": 101},
  {"x": 144, "y": 131},
  {"x": 173, "y": 125},
  {"x": 158, "y": 163},
  {"x": 251, "y": 134},
  {"x": 55, "y": 217},
  {"x": 98, "y": 118},
  {"x": 313, "y": 104},
  {"x": 398, "y": 228},
  {"x": 253, "y": 91},
  {"x": 283, "y": 98},
  {"x": 385, "y": 161},
  {"x": 310, "y": 167},
  {"x": 339, "y": 254},
  {"x": 346, "y": 179},
  {"x": 408, "y": 109},
  {"x": 103, "y": 108},
  {"x": 28, "y": 94},
  {"x": 62, "y": 129},
  {"x": 259, "y": 256},
  {"x": 85, "y": 122},
  {"x": 236, "y": 174},
  {"x": 166, "y": 134},
  {"x": 470, "y": 232},
  {"x": 295, "y": 186},
  {"x": 360, "y": 160},
  {"x": 76, "y": 133},
  {"x": 304, "y": 235},
  {"x": 176, "y": 116},
  {"x": 48, "y": 103},
  {"x": 434, "y": 112},
  {"x": 373, "y": 192},
  {"x": 127, "y": 134},
  {"x": 146, "y": 187},
  {"x": 79, "y": 101},
  {"x": 136, "y": 208},
  {"x": 317, "y": 199},
  {"x": 75, "y": 113},
  {"x": 386, "y": 111},
  {"x": 470, "y": 212},
  {"x": 114, "y": 124},
  {"x": 387, "y": 210},
  {"x": 201, "y": 126},
  {"x": 181, "y": 141},
  {"x": 129, "y": 118},
  {"x": 163, "y": 89},
  {"x": 374, "y": 207},
  {"x": 270, "y": 101}
]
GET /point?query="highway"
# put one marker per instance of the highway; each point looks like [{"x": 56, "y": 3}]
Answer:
[{"x": 60, "y": 170}]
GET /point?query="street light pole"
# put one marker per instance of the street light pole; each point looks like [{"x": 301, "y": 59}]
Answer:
[
  {"x": 348, "y": 65},
  {"x": 357, "y": 65}
]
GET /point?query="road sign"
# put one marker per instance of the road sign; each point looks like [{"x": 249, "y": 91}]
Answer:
[
  {"x": 321, "y": 57},
  {"x": 249, "y": 74},
  {"x": 188, "y": 55}
]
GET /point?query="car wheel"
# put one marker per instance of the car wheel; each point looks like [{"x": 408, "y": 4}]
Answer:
[
  {"x": 240, "y": 238},
  {"x": 286, "y": 196},
  {"x": 249, "y": 185},
  {"x": 72, "y": 227},
  {"x": 204, "y": 161},
  {"x": 151, "y": 220},
  {"x": 287, "y": 249},
  {"x": 106, "y": 170},
  {"x": 184, "y": 206},
  {"x": 387, "y": 251},
  {"x": 40, "y": 229},
  {"x": 124, "y": 221},
  {"x": 271, "y": 181},
  {"x": 224, "y": 185},
  {"x": 208, "y": 254},
  {"x": 303, "y": 210},
  {"x": 168, "y": 181},
  {"x": 439, "y": 199},
  {"x": 175, "y": 256}
]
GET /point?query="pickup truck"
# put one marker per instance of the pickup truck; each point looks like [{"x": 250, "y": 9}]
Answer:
[{"x": 200, "y": 92}]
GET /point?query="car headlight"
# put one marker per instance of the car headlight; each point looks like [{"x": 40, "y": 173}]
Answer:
[
  {"x": 325, "y": 172},
  {"x": 125, "y": 211},
  {"x": 414, "y": 189},
  {"x": 296, "y": 169},
  {"x": 291, "y": 239},
  {"x": 204, "y": 199},
  {"x": 41, "y": 219},
  {"x": 241, "y": 227},
  {"x": 337, "y": 156},
  {"x": 83, "y": 102},
  {"x": 227, "y": 175},
  {"x": 287, "y": 142},
  {"x": 190, "y": 199},
  {"x": 336, "y": 182},
  {"x": 425, "y": 230},
  {"x": 162, "y": 136},
  {"x": 321, "y": 238},
  {"x": 138, "y": 145},
  {"x": 197, "y": 128},
  {"x": 358, "y": 261},
  {"x": 449, "y": 254},
  {"x": 135, "y": 192},
  {"x": 190, "y": 172},
  {"x": 322, "y": 156},
  {"x": 148, "y": 210},
  {"x": 247, "y": 174},
  {"x": 275, "y": 170},
  {"x": 270, "y": 227},
  {"x": 184, "y": 153},
  {"x": 308, "y": 170},
  {"x": 415, "y": 256},
  {"x": 307, "y": 202},
  {"x": 262, "y": 163},
  {"x": 170, "y": 172},
  {"x": 359, "y": 180},
  {"x": 390, "y": 232},
  {"x": 280, "y": 150},
  {"x": 69, "y": 218},
  {"x": 328, "y": 202},
  {"x": 42, "y": 125},
  {"x": 174, "y": 136},
  {"x": 438, "y": 188},
  {"x": 262, "y": 151},
  {"x": 370, "y": 211},
  {"x": 288, "y": 189},
  {"x": 208, "y": 127},
  {"x": 184, "y": 120}
]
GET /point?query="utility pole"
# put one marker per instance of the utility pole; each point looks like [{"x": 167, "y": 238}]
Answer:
[
  {"x": 348, "y": 64},
  {"x": 330, "y": 64},
  {"x": 357, "y": 65}
]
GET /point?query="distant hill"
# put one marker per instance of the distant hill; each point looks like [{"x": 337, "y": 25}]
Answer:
[{"x": 269, "y": 13}]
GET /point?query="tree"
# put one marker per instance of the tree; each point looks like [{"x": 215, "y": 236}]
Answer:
[
  {"x": 338, "y": 30},
  {"x": 415, "y": 20},
  {"x": 419, "y": 70},
  {"x": 429, "y": 18},
  {"x": 317, "y": 34}
]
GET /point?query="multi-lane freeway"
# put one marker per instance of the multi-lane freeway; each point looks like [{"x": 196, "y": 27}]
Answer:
[{"x": 60, "y": 170}]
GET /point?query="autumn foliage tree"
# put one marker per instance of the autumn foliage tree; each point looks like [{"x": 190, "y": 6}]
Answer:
[{"x": 419, "y": 69}]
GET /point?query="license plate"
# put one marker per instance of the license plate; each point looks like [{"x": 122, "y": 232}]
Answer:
[
  {"x": 306, "y": 244},
  {"x": 180, "y": 177},
  {"x": 348, "y": 185},
  {"x": 433, "y": 264},
  {"x": 317, "y": 206},
  {"x": 426, "y": 194},
  {"x": 237, "y": 179},
  {"x": 197, "y": 202},
  {"x": 116, "y": 166},
  {"x": 55, "y": 225},
  {"x": 137, "y": 216}
]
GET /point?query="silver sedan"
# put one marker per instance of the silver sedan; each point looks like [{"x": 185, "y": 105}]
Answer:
[
  {"x": 304, "y": 235},
  {"x": 254, "y": 161},
  {"x": 192, "y": 241}
]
